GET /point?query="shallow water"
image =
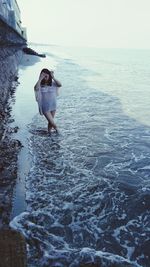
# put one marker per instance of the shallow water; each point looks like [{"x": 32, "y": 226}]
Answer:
[{"x": 87, "y": 188}]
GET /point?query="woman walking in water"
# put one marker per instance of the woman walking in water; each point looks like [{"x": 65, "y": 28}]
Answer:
[{"x": 46, "y": 91}]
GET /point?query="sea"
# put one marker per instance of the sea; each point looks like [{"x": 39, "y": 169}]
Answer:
[{"x": 83, "y": 195}]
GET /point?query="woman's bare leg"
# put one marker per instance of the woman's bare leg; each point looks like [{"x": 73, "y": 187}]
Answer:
[
  {"x": 53, "y": 113},
  {"x": 51, "y": 123},
  {"x": 49, "y": 127}
]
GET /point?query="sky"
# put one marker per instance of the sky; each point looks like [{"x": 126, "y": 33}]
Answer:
[{"x": 95, "y": 23}]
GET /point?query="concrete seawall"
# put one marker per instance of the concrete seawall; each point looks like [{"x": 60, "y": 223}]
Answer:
[
  {"x": 9, "y": 148},
  {"x": 9, "y": 35},
  {"x": 13, "y": 247},
  {"x": 11, "y": 44},
  {"x": 11, "y": 56},
  {"x": 9, "y": 60}
]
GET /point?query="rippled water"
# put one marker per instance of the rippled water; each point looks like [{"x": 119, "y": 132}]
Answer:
[{"x": 87, "y": 191}]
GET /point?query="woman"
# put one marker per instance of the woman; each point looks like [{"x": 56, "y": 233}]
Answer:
[{"x": 46, "y": 91}]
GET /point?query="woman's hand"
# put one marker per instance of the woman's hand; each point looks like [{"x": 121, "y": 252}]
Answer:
[
  {"x": 52, "y": 74},
  {"x": 41, "y": 77},
  {"x": 55, "y": 80}
]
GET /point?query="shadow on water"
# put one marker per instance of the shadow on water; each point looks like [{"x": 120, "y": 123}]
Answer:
[{"x": 40, "y": 131}]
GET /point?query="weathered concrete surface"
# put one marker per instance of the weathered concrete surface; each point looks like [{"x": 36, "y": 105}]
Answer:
[
  {"x": 9, "y": 36},
  {"x": 9, "y": 148},
  {"x": 9, "y": 60}
]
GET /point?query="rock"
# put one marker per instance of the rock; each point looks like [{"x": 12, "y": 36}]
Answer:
[{"x": 30, "y": 51}]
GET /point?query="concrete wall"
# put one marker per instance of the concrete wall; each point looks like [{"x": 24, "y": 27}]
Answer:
[
  {"x": 9, "y": 36},
  {"x": 4, "y": 10},
  {"x": 10, "y": 14},
  {"x": 11, "y": 43},
  {"x": 9, "y": 60},
  {"x": 9, "y": 148}
]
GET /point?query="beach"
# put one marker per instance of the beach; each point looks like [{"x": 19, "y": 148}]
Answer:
[
  {"x": 85, "y": 190},
  {"x": 76, "y": 194}
]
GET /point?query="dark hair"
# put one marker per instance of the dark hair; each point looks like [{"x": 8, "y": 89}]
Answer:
[{"x": 49, "y": 82}]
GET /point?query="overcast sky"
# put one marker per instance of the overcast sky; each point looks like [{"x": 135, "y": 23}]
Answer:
[{"x": 98, "y": 23}]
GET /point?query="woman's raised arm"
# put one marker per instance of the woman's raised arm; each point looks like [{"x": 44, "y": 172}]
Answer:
[{"x": 58, "y": 83}]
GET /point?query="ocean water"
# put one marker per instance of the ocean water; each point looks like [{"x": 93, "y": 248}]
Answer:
[{"x": 87, "y": 189}]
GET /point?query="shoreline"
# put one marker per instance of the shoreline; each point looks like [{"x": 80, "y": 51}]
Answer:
[{"x": 12, "y": 59}]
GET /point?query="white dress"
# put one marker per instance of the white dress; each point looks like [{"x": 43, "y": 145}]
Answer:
[{"x": 46, "y": 98}]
